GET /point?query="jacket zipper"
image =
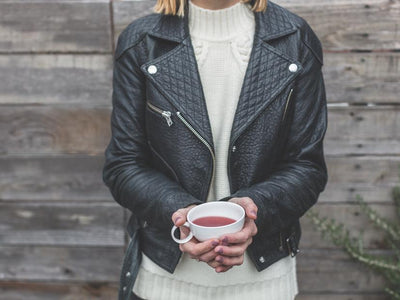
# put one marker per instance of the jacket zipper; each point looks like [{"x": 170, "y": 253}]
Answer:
[
  {"x": 164, "y": 113},
  {"x": 287, "y": 104},
  {"x": 204, "y": 142},
  {"x": 281, "y": 242}
]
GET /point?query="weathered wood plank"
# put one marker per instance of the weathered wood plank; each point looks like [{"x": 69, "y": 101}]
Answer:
[
  {"x": 82, "y": 264},
  {"x": 125, "y": 12},
  {"x": 340, "y": 24},
  {"x": 79, "y": 178},
  {"x": 53, "y": 290},
  {"x": 363, "y": 130},
  {"x": 72, "y": 178},
  {"x": 351, "y": 24},
  {"x": 353, "y": 219},
  {"x": 57, "y": 130},
  {"x": 303, "y": 296},
  {"x": 362, "y": 77},
  {"x": 54, "y": 130},
  {"x": 351, "y": 77},
  {"x": 372, "y": 177},
  {"x": 332, "y": 271},
  {"x": 94, "y": 224},
  {"x": 107, "y": 291},
  {"x": 69, "y": 264},
  {"x": 59, "y": 79},
  {"x": 60, "y": 26}
]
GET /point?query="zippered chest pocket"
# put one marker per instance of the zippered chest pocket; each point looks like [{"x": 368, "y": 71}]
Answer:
[{"x": 165, "y": 114}]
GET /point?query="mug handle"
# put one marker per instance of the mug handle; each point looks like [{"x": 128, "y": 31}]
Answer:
[{"x": 185, "y": 240}]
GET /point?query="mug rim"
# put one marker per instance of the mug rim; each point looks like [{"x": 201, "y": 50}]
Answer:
[{"x": 243, "y": 214}]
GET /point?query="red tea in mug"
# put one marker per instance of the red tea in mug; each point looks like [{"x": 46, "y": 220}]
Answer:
[{"x": 213, "y": 221}]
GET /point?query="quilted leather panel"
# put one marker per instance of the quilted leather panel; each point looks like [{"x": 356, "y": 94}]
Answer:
[
  {"x": 266, "y": 76},
  {"x": 178, "y": 78}
]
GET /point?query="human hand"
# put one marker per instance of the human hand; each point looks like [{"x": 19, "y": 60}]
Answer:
[
  {"x": 233, "y": 246},
  {"x": 201, "y": 251}
]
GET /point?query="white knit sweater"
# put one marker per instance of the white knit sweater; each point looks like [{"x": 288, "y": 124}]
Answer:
[{"x": 222, "y": 41}]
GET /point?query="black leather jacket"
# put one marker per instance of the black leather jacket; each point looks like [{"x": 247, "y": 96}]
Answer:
[{"x": 161, "y": 158}]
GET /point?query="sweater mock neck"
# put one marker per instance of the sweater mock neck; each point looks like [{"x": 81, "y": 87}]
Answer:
[{"x": 220, "y": 24}]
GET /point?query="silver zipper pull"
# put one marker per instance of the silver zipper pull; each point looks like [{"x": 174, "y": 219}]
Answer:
[{"x": 167, "y": 116}]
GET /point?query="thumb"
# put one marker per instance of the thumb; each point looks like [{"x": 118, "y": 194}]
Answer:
[
  {"x": 179, "y": 217},
  {"x": 250, "y": 208}
]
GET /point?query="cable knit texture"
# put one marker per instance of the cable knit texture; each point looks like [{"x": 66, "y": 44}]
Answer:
[{"x": 222, "y": 41}]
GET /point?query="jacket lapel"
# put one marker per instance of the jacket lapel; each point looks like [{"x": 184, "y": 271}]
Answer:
[
  {"x": 178, "y": 77},
  {"x": 266, "y": 76},
  {"x": 268, "y": 71}
]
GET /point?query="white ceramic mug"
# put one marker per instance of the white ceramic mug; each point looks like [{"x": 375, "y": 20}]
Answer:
[{"x": 212, "y": 209}]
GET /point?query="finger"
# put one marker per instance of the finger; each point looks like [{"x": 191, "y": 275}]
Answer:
[
  {"x": 249, "y": 230},
  {"x": 179, "y": 217},
  {"x": 208, "y": 257},
  {"x": 234, "y": 250},
  {"x": 230, "y": 261},
  {"x": 222, "y": 269},
  {"x": 249, "y": 206},
  {"x": 197, "y": 249},
  {"x": 214, "y": 264}
]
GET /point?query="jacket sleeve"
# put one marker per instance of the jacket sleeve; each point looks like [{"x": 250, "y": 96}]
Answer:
[
  {"x": 302, "y": 174},
  {"x": 146, "y": 192}
]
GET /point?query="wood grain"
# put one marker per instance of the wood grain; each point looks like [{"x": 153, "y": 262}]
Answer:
[
  {"x": 341, "y": 25},
  {"x": 56, "y": 79},
  {"x": 344, "y": 25},
  {"x": 61, "y": 224},
  {"x": 87, "y": 79},
  {"x": 352, "y": 130},
  {"x": 80, "y": 264},
  {"x": 107, "y": 291},
  {"x": 362, "y": 77},
  {"x": 332, "y": 271},
  {"x": 372, "y": 177},
  {"x": 125, "y": 12},
  {"x": 56, "y": 26},
  {"x": 68, "y": 264},
  {"x": 362, "y": 130},
  {"x": 57, "y": 290},
  {"x": 77, "y": 178},
  {"x": 333, "y": 296},
  {"x": 71, "y": 178},
  {"x": 354, "y": 220},
  {"x": 102, "y": 224},
  {"x": 54, "y": 130}
]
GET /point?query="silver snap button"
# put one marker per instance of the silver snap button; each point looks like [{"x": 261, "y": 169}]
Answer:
[
  {"x": 152, "y": 69},
  {"x": 262, "y": 259},
  {"x": 234, "y": 149},
  {"x": 124, "y": 288},
  {"x": 128, "y": 274},
  {"x": 293, "y": 68}
]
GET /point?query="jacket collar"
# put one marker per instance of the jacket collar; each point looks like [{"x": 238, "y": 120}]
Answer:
[
  {"x": 266, "y": 76},
  {"x": 271, "y": 24}
]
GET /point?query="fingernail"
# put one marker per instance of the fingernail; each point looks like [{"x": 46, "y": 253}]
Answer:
[
  {"x": 177, "y": 219},
  {"x": 253, "y": 212},
  {"x": 219, "y": 259},
  {"x": 220, "y": 251},
  {"x": 225, "y": 240},
  {"x": 214, "y": 243}
]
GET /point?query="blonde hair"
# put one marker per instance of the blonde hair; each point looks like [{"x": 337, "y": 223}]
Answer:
[{"x": 177, "y": 7}]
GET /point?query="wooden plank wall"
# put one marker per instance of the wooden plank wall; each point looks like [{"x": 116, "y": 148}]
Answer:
[{"x": 63, "y": 237}]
